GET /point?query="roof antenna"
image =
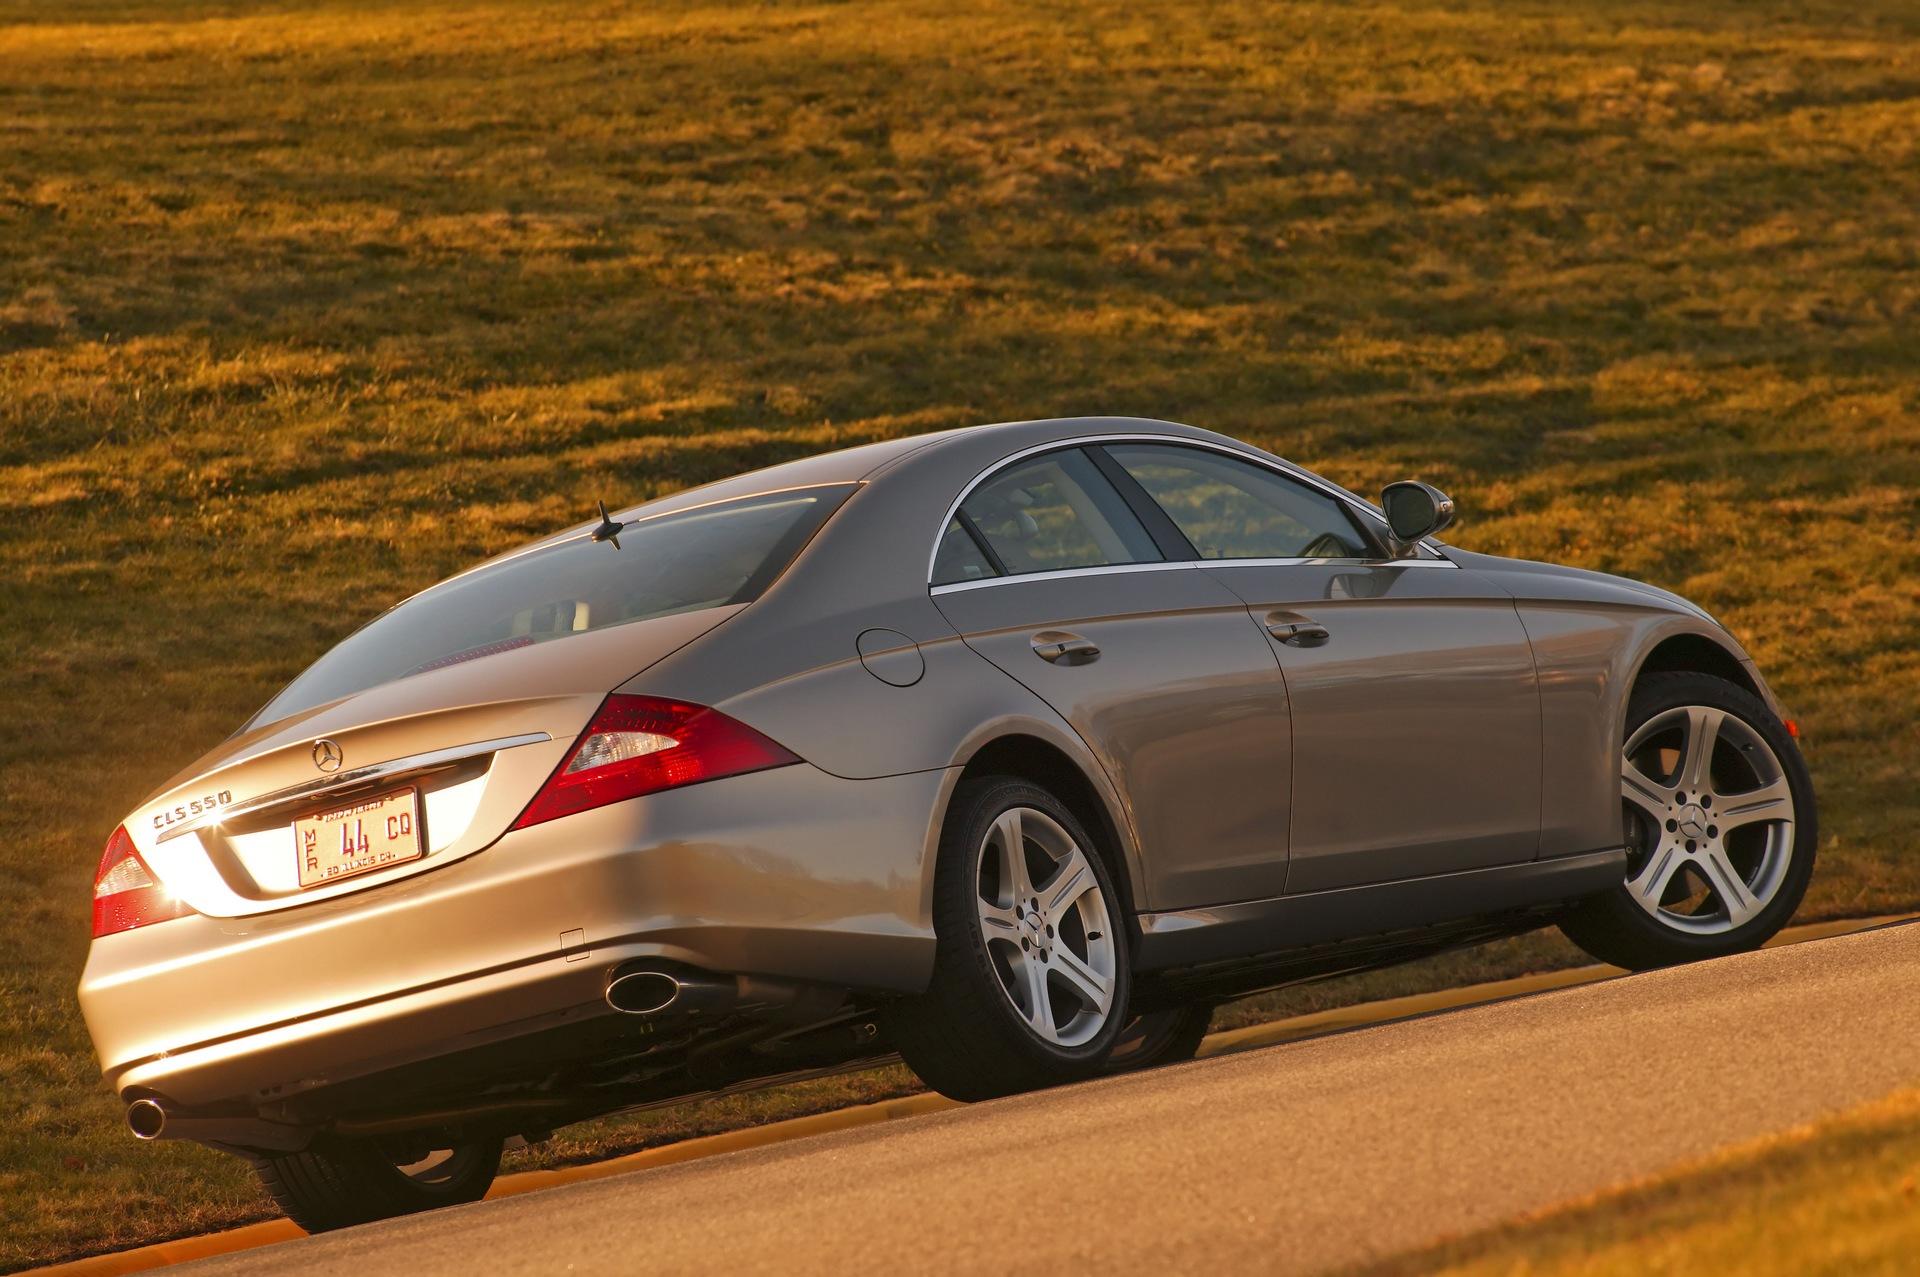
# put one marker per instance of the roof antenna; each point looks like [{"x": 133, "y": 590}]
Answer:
[{"x": 608, "y": 529}]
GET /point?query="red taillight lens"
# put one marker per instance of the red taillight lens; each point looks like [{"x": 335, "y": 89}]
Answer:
[
  {"x": 125, "y": 894},
  {"x": 640, "y": 745}
]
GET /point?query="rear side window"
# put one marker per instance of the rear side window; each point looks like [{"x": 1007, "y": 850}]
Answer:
[
  {"x": 1053, "y": 512},
  {"x": 678, "y": 562},
  {"x": 960, "y": 557},
  {"x": 1234, "y": 510}
]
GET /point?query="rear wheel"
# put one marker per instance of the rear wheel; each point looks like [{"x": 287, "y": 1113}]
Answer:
[
  {"x": 339, "y": 1181},
  {"x": 1720, "y": 828},
  {"x": 1160, "y": 1037},
  {"x": 1030, "y": 973}
]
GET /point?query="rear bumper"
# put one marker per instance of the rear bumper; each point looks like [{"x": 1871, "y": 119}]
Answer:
[{"x": 790, "y": 873}]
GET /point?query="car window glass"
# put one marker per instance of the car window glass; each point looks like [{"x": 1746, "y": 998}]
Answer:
[
  {"x": 1235, "y": 510},
  {"x": 1057, "y": 511},
  {"x": 959, "y": 557},
  {"x": 678, "y": 562}
]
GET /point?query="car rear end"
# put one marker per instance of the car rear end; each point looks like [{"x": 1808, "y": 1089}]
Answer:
[{"x": 412, "y": 879}]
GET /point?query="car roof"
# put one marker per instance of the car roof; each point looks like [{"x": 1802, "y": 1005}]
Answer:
[{"x": 964, "y": 445}]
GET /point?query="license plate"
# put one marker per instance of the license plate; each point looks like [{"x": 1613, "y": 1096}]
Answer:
[{"x": 369, "y": 834}]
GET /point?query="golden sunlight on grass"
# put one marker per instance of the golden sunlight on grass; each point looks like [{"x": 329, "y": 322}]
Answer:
[{"x": 1837, "y": 1197}]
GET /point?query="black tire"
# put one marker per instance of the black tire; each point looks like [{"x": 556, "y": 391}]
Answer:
[
  {"x": 964, "y": 1036},
  {"x": 1160, "y": 1037},
  {"x": 337, "y": 1182},
  {"x": 1614, "y": 928}
]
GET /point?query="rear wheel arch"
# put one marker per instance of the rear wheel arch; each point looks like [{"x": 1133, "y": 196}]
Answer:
[{"x": 1045, "y": 764}]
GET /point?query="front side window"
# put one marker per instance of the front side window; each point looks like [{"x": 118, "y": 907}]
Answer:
[
  {"x": 1231, "y": 509},
  {"x": 1056, "y": 511},
  {"x": 679, "y": 562}
]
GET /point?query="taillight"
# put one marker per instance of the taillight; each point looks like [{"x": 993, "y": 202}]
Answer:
[
  {"x": 641, "y": 745},
  {"x": 125, "y": 894}
]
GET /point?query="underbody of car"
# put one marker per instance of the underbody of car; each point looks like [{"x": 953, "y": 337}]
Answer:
[{"x": 986, "y": 747}]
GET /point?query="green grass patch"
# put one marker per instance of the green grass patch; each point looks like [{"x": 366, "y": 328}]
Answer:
[{"x": 304, "y": 305}]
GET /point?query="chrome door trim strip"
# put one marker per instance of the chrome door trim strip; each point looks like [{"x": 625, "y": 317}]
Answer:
[
  {"x": 1111, "y": 569},
  {"x": 1326, "y": 563},
  {"x": 1284, "y": 468},
  {"x": 358, "y": 775},
  {"x": 1104, "y": 569}
]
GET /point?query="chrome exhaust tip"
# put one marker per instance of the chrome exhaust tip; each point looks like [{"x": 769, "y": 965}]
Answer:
[
  {"x": 146, "y": 1119},
  {"x": 642, "y": 992}
]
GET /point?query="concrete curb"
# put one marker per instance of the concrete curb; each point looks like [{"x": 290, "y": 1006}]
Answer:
[{"x": 162, "y": 1254}]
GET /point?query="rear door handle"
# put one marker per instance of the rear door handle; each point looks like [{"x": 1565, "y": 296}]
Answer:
[
  {"x": 1063, "y": 648},
  {"x": 1298, "y": 633}
]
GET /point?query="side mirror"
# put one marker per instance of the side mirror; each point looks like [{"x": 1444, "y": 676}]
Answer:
[{"x": 1414, "y": 510}]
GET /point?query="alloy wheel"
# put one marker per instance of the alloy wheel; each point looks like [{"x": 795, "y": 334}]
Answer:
[
  {"x": 1710, "y": 819},
  {"x": 1046, "y": 926}
]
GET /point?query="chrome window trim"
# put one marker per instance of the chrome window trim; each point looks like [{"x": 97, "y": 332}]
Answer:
[
  {"x": 1111, "y": 569},
  {"x": 1285, "y": 470},
  {"x": 1058, "y": 574},
  {"x": 347, "y": 779},
  {"x": 1325, "y": 563}
]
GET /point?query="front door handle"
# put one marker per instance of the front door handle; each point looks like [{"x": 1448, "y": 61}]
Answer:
[
  {"x": 1063, "y": 648},
  {"x": 1298, "y": 633}
]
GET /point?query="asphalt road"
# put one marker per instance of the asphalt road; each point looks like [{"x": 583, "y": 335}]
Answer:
[{"x": 1295, "y": 1158}]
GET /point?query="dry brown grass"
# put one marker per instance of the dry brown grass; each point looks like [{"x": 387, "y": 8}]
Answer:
[{"x": 1836, "y": 1197}]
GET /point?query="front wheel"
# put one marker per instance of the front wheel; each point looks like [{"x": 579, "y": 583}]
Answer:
[
  {"x": 339, "y": 1181},
  {"x": 1720, "y": 828},
  {"x": 1029, "y": 984}
]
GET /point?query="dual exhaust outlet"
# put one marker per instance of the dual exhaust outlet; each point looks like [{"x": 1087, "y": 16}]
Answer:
[
  {"x": 645, "y": 990},
  {"x": 637, "y": 989},
  {"x": 153, "y": 1119}
]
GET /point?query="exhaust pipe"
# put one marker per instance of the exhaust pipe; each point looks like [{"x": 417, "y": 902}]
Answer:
[
  {"x": 640, "y": 990},
  {"x": 150, "y": 1119},
  {"x": 146, "y": 1119}
]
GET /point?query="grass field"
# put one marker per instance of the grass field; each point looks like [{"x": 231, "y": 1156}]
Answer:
[
  {"x": 304, "y": 305},
  {"x": 1839, "y": 1198}
]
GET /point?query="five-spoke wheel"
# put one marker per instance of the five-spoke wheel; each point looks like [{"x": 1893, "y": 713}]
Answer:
[
  {"x": 1030, "y": 979},
  {"x": 1719, "y": 827},
  {"x": 1709, "y": 818},
  {"x": 1046, "y": 925}
]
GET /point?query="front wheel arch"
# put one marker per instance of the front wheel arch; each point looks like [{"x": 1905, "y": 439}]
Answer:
[{"x": 1694, "y": 653}]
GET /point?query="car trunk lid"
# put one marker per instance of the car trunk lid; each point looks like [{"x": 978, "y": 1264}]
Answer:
[{"x": 221, "y": 835}]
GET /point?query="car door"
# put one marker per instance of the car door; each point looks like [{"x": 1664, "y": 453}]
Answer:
[
  {"x": 1411, "y": 684},
  {"x": 1047, "y": 573}
]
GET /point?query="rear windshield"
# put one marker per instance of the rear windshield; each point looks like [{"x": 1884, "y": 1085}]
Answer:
[{"x": 680, "y": 562}]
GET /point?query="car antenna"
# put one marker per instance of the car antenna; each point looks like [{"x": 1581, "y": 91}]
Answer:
[{"x": 608, "y": 529}]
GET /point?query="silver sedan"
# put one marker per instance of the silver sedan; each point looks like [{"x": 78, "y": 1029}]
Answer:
[{"x": 1011, "y": 750}]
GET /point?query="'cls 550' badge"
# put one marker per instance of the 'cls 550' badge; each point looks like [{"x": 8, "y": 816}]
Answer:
[{"x": 192, "y": 808}]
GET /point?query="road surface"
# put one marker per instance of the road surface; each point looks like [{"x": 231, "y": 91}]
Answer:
[{"x": 1296, "y": 1158}]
